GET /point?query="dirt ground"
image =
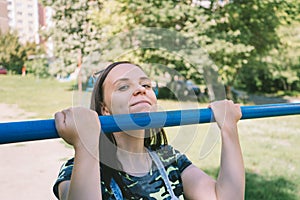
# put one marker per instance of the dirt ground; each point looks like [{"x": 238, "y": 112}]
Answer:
[{"x": 29, "y": 169}]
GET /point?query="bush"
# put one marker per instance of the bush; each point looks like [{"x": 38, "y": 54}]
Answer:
[{"x": 38, "y": 67}]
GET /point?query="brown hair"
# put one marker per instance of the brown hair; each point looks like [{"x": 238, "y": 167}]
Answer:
[{"x": 154, "y": 138}]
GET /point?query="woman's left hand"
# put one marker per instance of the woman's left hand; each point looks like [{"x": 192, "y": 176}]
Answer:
[{"x": 226, "y": 113}]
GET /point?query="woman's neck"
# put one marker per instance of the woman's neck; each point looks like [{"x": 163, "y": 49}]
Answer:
[
  {"x": 131, "y": 141},
  {"x": 132, "y": 154}
]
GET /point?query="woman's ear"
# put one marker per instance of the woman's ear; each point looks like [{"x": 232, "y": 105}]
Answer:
[{"x": 105, "y": 110}]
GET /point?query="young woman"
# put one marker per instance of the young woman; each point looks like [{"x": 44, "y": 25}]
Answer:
[{"x": 140, "y": 164}]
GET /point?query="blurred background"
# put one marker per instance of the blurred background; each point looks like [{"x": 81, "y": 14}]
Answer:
[{"x": 250, "y": 50}]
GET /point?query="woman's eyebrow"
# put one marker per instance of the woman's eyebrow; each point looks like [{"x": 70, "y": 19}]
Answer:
[
  {"x": 145, "y": 78},
  {"x": 121, "y": 80},
  {"x": 128, "y": 79}
]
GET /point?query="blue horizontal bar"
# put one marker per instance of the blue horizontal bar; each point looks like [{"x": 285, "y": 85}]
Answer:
[{"x": 22, "y": 131}]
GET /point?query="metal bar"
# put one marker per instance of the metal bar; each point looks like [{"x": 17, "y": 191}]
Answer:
[{"x": 22, "y": 131}]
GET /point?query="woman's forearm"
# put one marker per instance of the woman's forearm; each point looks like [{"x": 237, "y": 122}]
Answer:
[
  {"x": 85, "y": 179},
  {"x": 231, "y": 180}
]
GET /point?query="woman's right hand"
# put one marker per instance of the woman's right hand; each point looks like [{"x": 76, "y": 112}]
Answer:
[{"x": 79, "y": 127}]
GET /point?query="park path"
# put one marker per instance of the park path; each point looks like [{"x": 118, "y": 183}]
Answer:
[{"x": 29, "y": 169}]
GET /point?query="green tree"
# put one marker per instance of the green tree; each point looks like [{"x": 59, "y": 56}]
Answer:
[
  {"x": 199, "y": 25},
  {"x": 273, "y": 64},
  {"x": 239, "y": 36},
  {"x": 283, "y": 62},
  {"x": 73, "y": 34},
  {"x": 12, "y": 52},
  {"x": 164, "y": 18}
]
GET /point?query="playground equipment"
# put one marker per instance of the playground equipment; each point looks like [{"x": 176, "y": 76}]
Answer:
[{"x": 22, "y": 131}]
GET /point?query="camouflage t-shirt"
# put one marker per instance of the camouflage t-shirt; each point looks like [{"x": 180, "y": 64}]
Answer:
[{"x": 150, "y": 186}]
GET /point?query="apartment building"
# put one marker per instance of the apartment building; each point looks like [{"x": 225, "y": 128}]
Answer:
[
  {"x": 3, "y": 16},
  {"x": 21, "y": 16}
]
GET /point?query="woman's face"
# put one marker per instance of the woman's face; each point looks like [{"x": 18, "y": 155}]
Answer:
[{"x": 127, "y": 89}]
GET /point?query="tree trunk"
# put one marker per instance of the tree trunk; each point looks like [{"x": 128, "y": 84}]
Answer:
[{"x": 79, "y": 78}]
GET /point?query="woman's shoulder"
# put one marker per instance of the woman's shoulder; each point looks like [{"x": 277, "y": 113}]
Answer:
[
  {"x": 67, "y": 165},
  {"x": 168, "y": 151},
  {"x": 69, "y": 162},
  {"x": 170, "y": 156},
  {"x": 64, "y": 174}
]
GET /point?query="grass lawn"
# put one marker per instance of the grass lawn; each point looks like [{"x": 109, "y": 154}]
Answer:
[
  {"x": 41, "y": 96},
  {"x": 270, "y": 146}
]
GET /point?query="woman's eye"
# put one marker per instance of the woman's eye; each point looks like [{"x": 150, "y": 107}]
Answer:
[
  {"x": 147, "y": 85},
  {"x": 123, "y": 87}
]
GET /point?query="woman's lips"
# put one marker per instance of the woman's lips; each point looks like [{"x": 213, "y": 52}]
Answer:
[{"x": 141, "y": 102}]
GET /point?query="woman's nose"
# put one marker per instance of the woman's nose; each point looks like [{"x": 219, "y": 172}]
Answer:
[{"x": 140, "y": 90}]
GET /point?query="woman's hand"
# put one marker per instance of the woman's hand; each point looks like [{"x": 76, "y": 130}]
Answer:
[
  {"x": 79, "y": 127},
  {"x": 226, "y": 113}
]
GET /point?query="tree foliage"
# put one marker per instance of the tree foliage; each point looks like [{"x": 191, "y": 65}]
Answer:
[
  {"x": 12, "y": 52},
  {"x": 252, "y": 44},
  {"x": 174, "y": 32},
  {"x": 73, "y": 34},
  {"x": 267, "y": 24}
]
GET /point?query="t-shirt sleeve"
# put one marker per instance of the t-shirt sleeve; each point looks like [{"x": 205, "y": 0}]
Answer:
[
  {"x": 182, "y": 160},
  {"x": 170, "y": 155},
  {"x": 64, "y": 175}
]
